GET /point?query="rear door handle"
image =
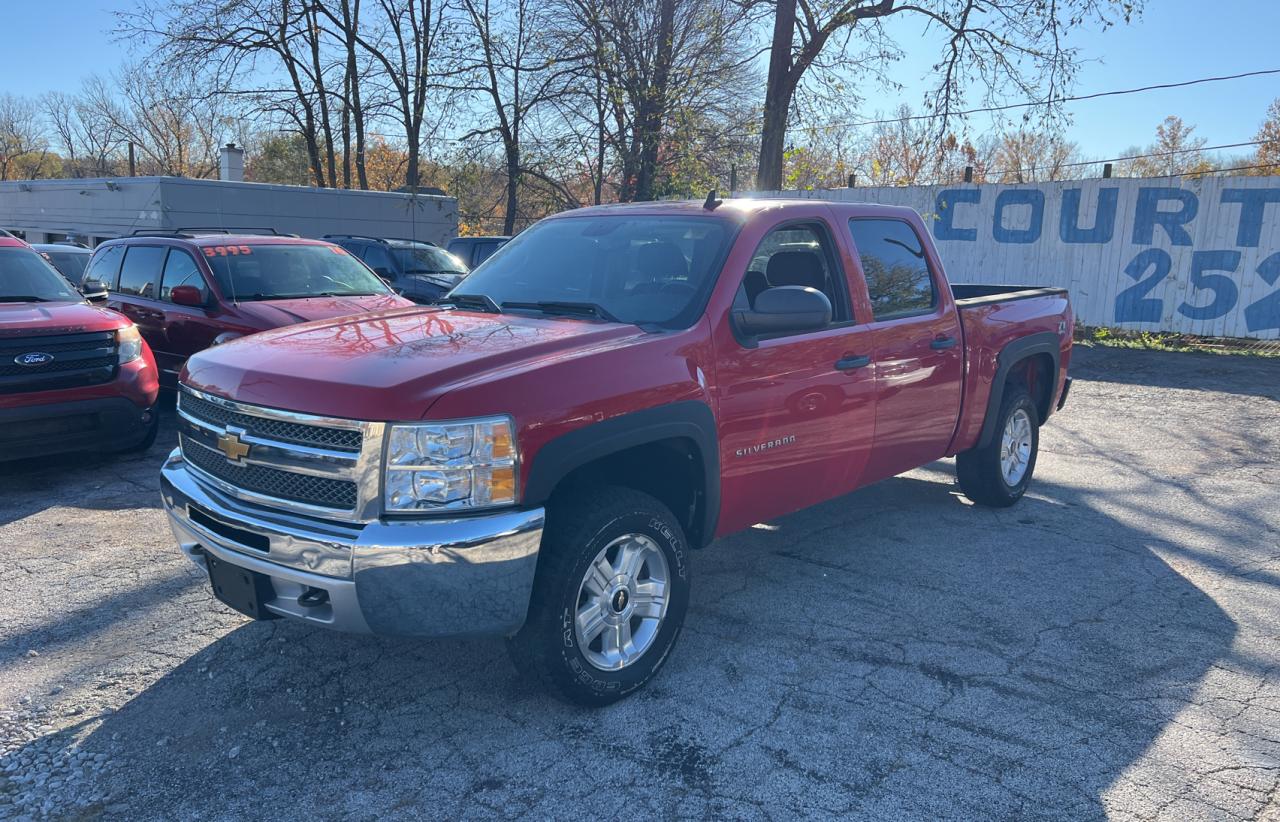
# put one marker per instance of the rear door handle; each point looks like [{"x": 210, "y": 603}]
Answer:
[
  {"x": 850, "y": 363},
  {"x": 943, "y": 342}
]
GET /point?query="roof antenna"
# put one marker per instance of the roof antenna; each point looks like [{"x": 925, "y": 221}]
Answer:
[{"x": 712, "y": 201}]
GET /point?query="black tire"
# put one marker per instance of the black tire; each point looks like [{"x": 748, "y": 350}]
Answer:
[
  {"x": 978, "y": 470},
  {"x": 546, "y": 649},
  {"x": 148, "y": 440}
]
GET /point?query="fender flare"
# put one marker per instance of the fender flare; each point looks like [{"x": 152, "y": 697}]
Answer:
[
  {"x": 1015, "y": 352},
  {"x": 687, "y": 419}
]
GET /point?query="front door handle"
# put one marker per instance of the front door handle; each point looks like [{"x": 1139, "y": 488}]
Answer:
[
  {"x": 850, "y": 363},
  {"x": 943, "y": 343}
]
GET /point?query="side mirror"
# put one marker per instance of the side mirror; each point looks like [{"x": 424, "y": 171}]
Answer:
[
  {"x": 385, "y": 274},
  {"x": 187, "y": 295},
  {"x": 785, "y": 309},
  {"x": 95, "y": 291}
]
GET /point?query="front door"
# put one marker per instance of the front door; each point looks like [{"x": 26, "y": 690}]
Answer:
[
  {"x": 919, "y": 351},
  {"x": 796, "y": 411},
  {"x": 188, "y": 329}
]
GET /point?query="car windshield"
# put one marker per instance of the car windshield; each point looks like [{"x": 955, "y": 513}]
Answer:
[
  {"x": 428, "y": 260},
  {"x": 289, "y": 271},
  {"x": 648, "y": 270},
  {"x": 70, "y": 263},
  {"x": 25, "y": 276}
]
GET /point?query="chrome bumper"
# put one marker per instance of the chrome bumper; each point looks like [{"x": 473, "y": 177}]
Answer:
[{"x": 429, "y": 577}]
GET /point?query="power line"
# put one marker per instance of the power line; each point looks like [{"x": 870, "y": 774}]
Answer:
[
  {"x": 1052, "y": 101},
  {"x": 1133, "y": 157}
]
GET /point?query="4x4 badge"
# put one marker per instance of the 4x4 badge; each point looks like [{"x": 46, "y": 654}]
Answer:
[
  {"x": 33, "y": 358},
  {"x": 231, "y": 446}
]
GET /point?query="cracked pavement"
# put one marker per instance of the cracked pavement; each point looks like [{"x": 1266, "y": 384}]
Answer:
[{"x": 1106, "y": 648}]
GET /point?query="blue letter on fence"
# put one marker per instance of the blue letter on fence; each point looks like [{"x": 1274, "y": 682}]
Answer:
[
  {"x": 945, "y": 208},
  {"x": 1018, "y": 196},
  {"x": 1255, "y": 200},
  {"x": 1104, "y": 225},
  {"x": 1148, "y": 215}
]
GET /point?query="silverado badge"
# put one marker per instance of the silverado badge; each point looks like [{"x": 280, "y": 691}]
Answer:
[{"x": 231, "y": 446}]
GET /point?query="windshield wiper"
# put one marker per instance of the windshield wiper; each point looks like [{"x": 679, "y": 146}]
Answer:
[
  {"x": 24, "y": 298},
  {"x": 477, "y": 302},
  {"x": 567, "y": 307},
  {"x": 433, "y": 271}
]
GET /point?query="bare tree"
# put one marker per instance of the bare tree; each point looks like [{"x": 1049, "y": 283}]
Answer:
[
  {"x": 1006, "y": 47},
  {"x": 24, "y": 150},
  {"x": 518, "y": 69},
  {"x": 1027, "y": 156}
]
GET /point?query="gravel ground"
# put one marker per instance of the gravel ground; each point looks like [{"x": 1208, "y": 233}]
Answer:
[{"x": 1108, "y": 647}]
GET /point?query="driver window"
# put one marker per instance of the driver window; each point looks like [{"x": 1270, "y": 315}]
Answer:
[
  {"x": 376, "y": 257},
  {"x": 795, "y": 255}
]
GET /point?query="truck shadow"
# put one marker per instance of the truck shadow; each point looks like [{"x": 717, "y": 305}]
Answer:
[{"x": 895, "y": 652}]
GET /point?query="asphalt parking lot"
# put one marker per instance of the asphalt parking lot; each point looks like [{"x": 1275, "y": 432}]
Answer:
[{"x": 1108, "y": 647}]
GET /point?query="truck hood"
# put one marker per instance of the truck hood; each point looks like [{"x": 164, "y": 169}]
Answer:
[
  {"x": 275, "y": 313},
  {"x": 39, "y": 319},
  {"x": 392, "y": 365}
]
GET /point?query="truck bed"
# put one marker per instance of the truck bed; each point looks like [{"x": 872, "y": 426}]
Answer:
[{"x": 968, "y": 295}]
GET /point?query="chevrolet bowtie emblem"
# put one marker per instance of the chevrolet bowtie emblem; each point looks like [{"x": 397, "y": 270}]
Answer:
[{"x": 231, "y": 446}]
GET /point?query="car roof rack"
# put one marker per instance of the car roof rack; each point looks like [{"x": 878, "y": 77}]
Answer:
[
  {"x": 187, "y": 232},
  {"x": 374, "y": 239}
]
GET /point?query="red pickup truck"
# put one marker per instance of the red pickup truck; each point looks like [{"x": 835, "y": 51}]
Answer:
[
  {"x": 536, "y": 457},
  {"x": 72, "y": 376}
]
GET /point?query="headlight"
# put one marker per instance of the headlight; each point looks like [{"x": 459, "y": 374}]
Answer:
[
  {"x": 445, "y": 466},
  {"x": 128, "y": 344}
]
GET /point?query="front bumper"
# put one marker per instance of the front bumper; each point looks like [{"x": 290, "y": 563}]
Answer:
[
  {"x": 427, "y": 577},
  {"x": 101, "y": 424}
]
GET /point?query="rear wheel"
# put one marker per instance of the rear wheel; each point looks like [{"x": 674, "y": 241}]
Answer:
[
  {"x": 609, "y": 597},
  {"x": 998, "y": 473}
]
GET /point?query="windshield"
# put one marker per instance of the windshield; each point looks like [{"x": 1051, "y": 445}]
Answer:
[
  {"x": 428, "y": 260},
  {"x": 26, "y": 277},
  {"x": 70, "y": 263},
  {"x": 278, "y": 272},
  {"x": 645, "y": 270}
]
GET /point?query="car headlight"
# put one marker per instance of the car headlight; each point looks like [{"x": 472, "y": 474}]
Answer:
[
  {"x": 128, "y": 344},
  {"x": 452, "y": 465}
]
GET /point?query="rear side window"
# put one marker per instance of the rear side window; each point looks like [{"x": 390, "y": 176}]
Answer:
[
  {"x": 180, "y": 269},
  {"x": 138, "y": 273},
  {"x": 893, "y": 262},
  {"x": 105, "y": 265}
]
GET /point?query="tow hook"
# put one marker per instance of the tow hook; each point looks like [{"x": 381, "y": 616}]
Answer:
[{"x": 313, "y": 598}]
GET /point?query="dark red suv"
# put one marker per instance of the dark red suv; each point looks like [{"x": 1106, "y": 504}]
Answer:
[
  {"x": 187, "y": 291},
  {"x": 73, "y": 376}
]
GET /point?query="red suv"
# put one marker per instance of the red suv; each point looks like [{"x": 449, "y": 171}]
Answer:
[
  {"x": 187, "y": 291},
  {"x": 72, "y": 376}
]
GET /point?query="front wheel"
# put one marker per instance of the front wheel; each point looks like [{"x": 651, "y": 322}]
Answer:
[
  {"x": 609, "y": 597},
  {"x": 998, "y": 473}
]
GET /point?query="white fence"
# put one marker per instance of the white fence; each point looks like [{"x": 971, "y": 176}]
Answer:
[{"x": 1193, "y": 256}]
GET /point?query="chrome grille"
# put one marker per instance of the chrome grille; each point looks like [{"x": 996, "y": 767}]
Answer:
[
  {"x": 302, "y": 463},
  {"x": 341, "y": 439},
  {"x": 285, "y": 485}
]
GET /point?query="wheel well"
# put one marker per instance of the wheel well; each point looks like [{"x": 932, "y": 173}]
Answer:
[
  {"x": 1035, "y": 373},
  {"x": 669, "y": 470}
]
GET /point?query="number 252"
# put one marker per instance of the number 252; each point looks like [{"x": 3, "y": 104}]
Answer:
[{"x": 1134, "y": 306}]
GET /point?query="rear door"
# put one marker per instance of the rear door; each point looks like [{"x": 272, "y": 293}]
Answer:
[
  {"x": 919, "y": 356},
  {"x": 187, "y": 329},
  {"x": 136, "y": 291},
  {"x": 796, "y": 411}
]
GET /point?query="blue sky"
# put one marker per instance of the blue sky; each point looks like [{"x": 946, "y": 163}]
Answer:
[{"x": 1175, "y": 40}]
